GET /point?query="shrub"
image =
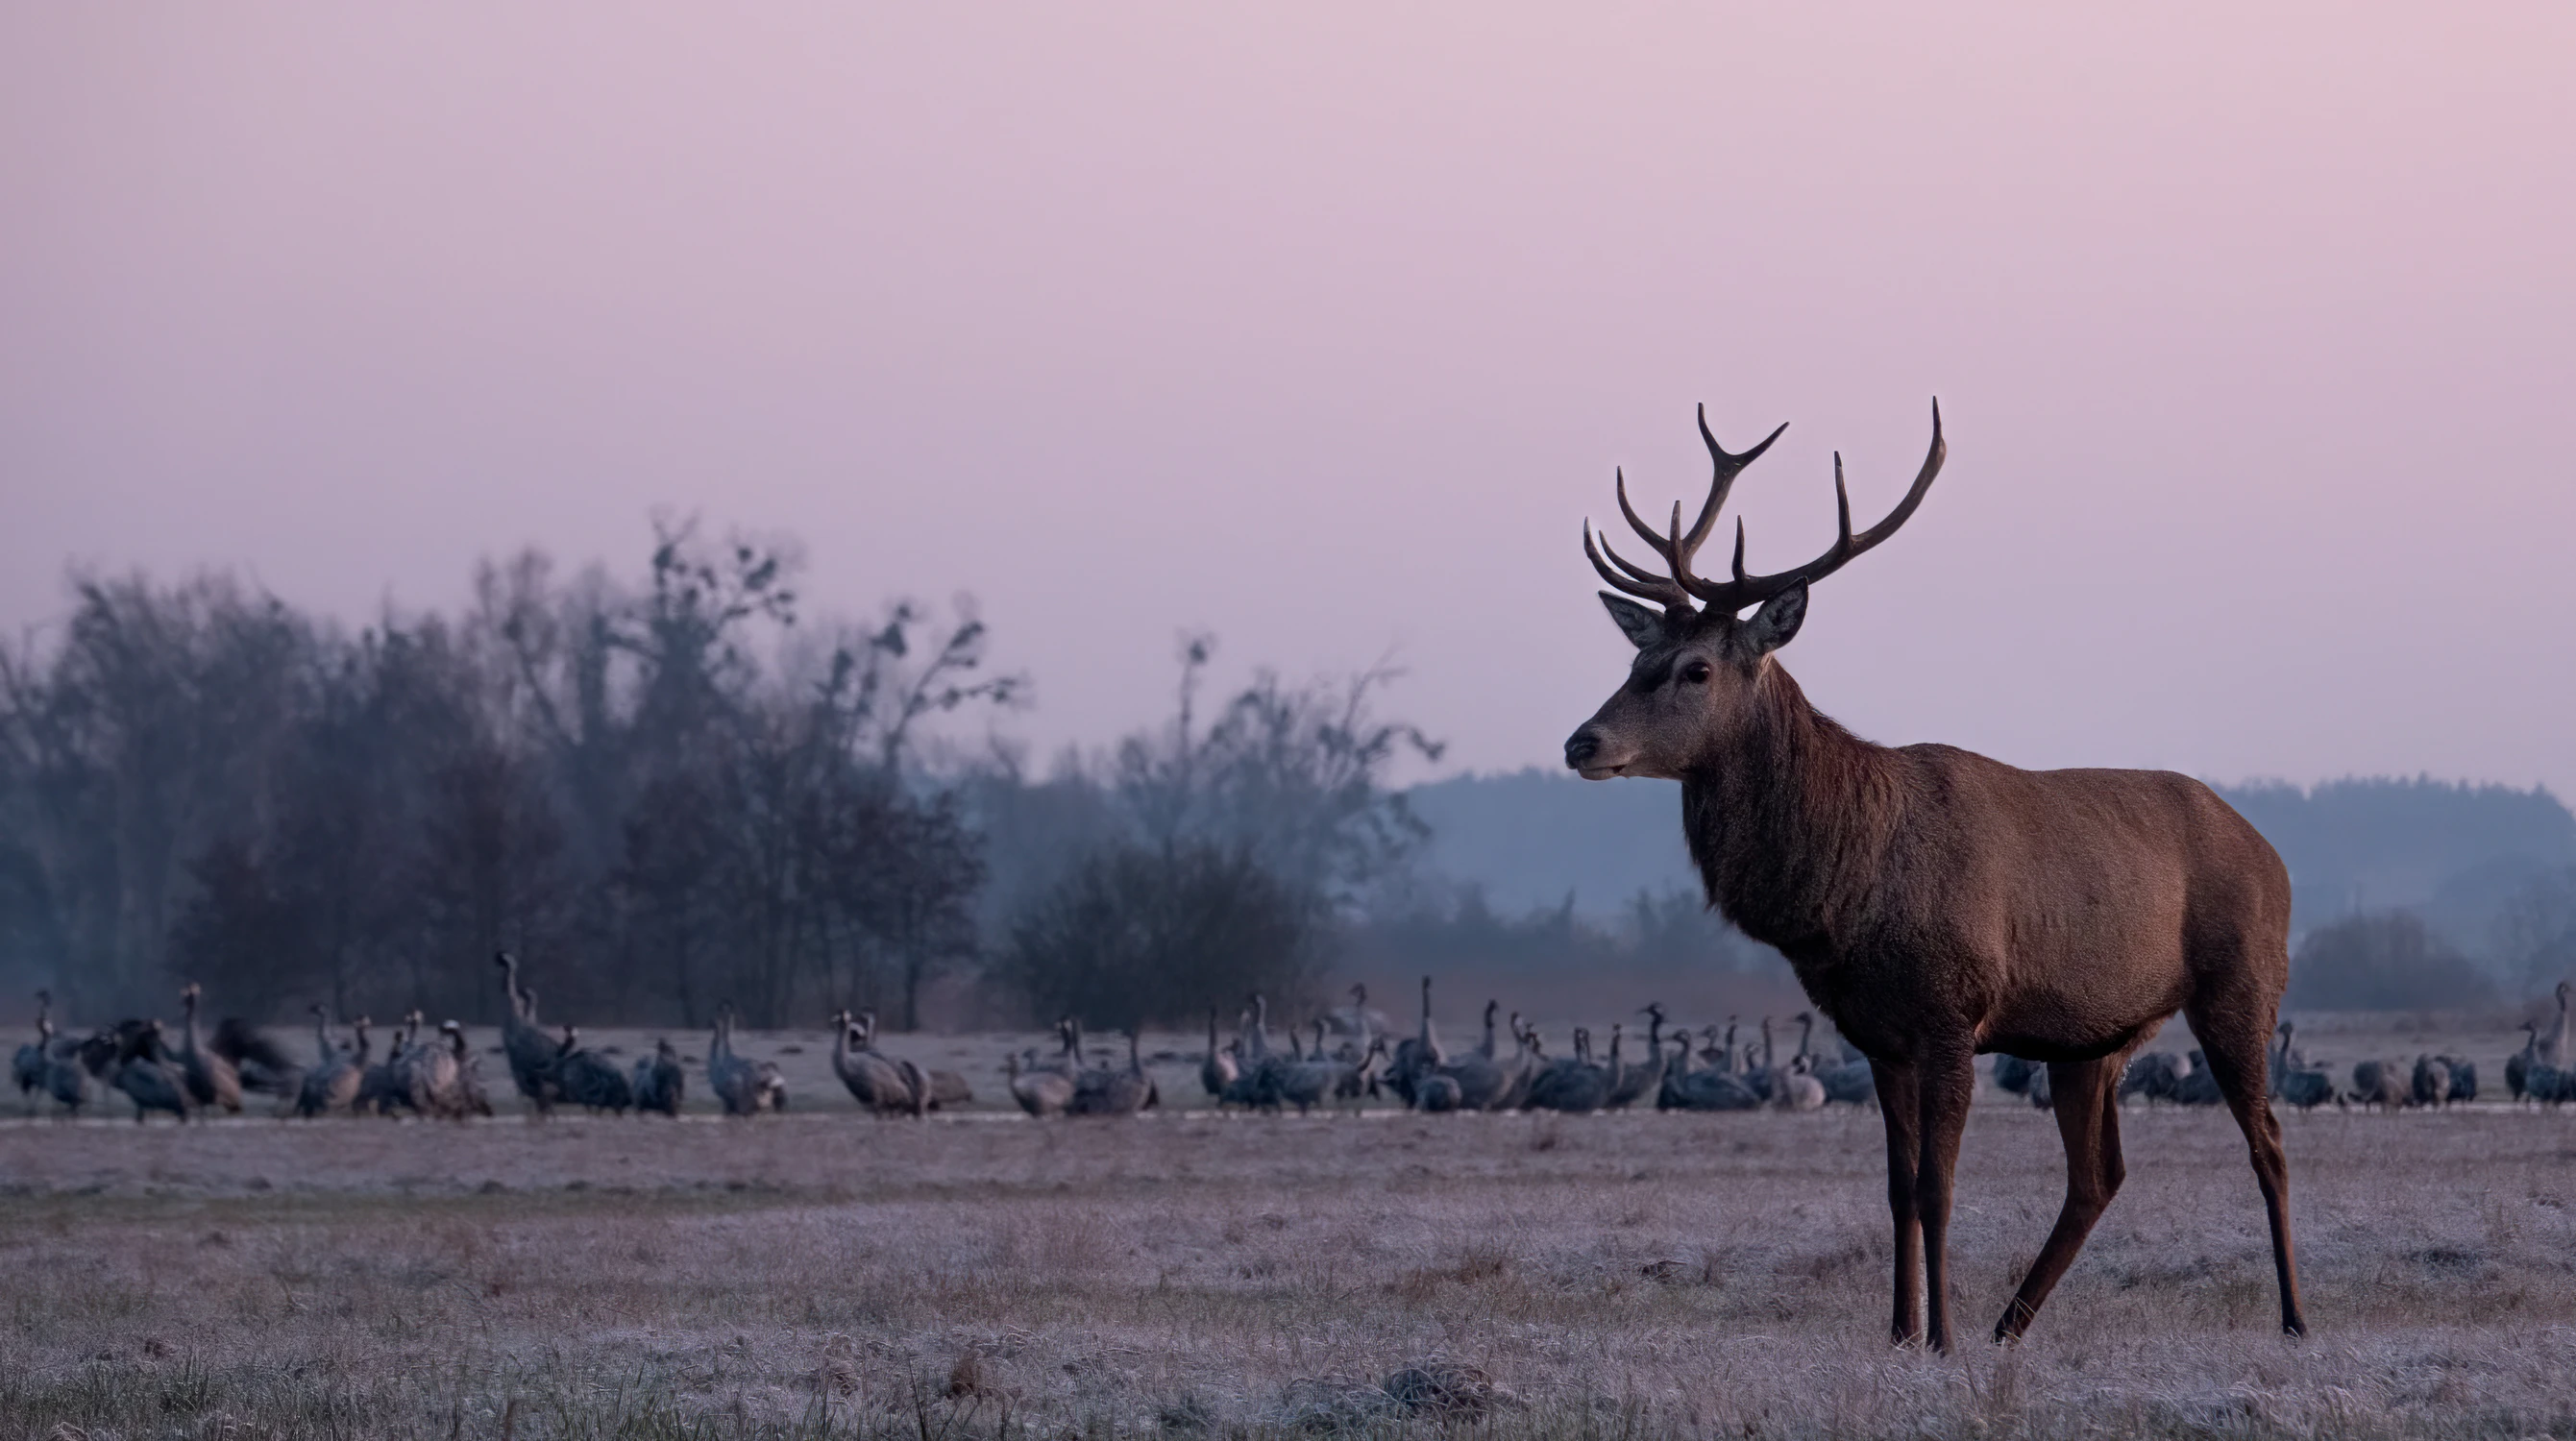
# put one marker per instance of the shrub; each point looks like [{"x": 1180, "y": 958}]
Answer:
[
  {"x": 2384, "y": 962},
  {"x": 1134, "y": 936}
]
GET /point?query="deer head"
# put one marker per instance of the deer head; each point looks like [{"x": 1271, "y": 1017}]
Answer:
[{"x": 1699, "y": 658}]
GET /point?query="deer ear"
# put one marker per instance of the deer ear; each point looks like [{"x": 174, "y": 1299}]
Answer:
[
  {"x": 1642, "y": 626},
  {"x": 1777, "y": 622}
]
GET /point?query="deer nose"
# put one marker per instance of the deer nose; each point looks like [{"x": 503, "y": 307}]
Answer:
[{"x": 1581, "y": 747}]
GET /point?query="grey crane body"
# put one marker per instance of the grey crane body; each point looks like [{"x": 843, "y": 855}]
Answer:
[
  {"x": 103, "y": 1050},
  {"x": 1686, "y": 1089},
  {"x": 2294, "y": 1080},
  {"x": 1575, "y": 1085},
  {"x": 2384, "y": 1084},
  {"x": 2307, "y": 1087},
  {"x": 1358, "y": 1081},
  {"x": 1522, "y": 1069},
  {"x": 149, "y": 1078},
  {"x": 531, "y": 1052},
  {"x": 948, "y": 1089},
  {"x": 1308, "y": 1083},
  {"x": 1757, "y": 1079},
  {"x": 1416, "y": 1056},
  {"x": 27, "y": 1064},
  {"x": 50, "y": 1066},
  {"x": 333, "y": 1084},
  {"x": 1041, "y": 1093},
  {"x": 381, "y": 1086},
  {"x": 1119, "y": 1092},
  {"x": 1217, "y": 1069},
  {"x": 1483, "y": 1084},
  {"x": 2285, "y": 1058},
  {"x": 873, "y": 1079},
  {"x": 660, "y": 1084},
  {"x": 1325, "y": 1078},
  {"x": 1645, "y": 1079},
  {"x": 2430, "y": 1084},
  {"x": 744, "y": 1087},
  {"x": 470, "y": 1097},
  {"x": 1256, "y": 1036},
  {"x": 2156, "y": 1075},
  {"x": 2464, "y": 1078},
  {"x": 432, "y": 1074},
  {"x": 441, "y": 1077},
  {"x": 1796, "y": 1088},
  {"x": 211, "y": 1079},
  {"x": 589, "y": 1080},
  {"x": 67, "y": 1082},
  {"x": 1436, "y": 1094},
  {"x": 314, "y": 1090},
  {"x": 1255, "y": 1084}
]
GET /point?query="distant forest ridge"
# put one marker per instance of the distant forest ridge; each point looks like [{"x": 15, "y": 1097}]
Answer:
[{"x": 2452, "y": 852}]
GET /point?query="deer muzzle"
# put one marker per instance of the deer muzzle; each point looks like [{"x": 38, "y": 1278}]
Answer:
[{"x": 1586, "y": 756}]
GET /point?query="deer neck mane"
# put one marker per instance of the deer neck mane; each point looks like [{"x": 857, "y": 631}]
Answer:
[{"x": 1787, "y": 819}]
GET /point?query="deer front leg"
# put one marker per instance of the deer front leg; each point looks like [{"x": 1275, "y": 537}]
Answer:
[
  {"x": 1946, "y": 1084},
  {"x": 1898, "y": 1106}
]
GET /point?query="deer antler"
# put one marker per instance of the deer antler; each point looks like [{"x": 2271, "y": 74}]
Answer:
[
  {"x": 1680, "y": 586},
  {"x": 1672, "y": 590}
]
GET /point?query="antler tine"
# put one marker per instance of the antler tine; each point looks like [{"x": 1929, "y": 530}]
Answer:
[
  {"x": 1842, "y": 509},
  {"x": 1746, "y": 590},
  {"x": 1630, "y": 568},
  {"x": 1724, "y": 467},
  {"x": 1634, "y": 580},
  {"x": 1654, "y": 537}
]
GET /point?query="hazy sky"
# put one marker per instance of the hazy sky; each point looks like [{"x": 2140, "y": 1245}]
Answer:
[{"x": 1322, "y": 328}]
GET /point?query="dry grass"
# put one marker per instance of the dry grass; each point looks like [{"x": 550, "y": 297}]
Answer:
[{"x": 1620, "y": 1275}]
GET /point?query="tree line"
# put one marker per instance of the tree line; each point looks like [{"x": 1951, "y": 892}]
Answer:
[
  {"x": 673, "y": 790},
  {"x": 663, "y": 786}
]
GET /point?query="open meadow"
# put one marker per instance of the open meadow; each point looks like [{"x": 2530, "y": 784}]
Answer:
[{"x": 820, "y": 1273}]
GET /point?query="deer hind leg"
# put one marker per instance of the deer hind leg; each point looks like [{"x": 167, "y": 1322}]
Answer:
[
  {"x": 1898, "y": 1107},
  {"x": 2087, "y": 1095},
  {"x": 2235, "y": 1039},
  {"x": 1948, "y": 1083}
]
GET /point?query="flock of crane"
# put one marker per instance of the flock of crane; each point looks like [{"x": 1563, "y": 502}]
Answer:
[
  {"x": 1710, "y": 1072},
  {"x": 1689, "y": 1071},
  {"x": 436, "y": 1075}
]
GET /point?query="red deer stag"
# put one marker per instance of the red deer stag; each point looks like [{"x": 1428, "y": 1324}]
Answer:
[{"x": 1937, "y": 904}]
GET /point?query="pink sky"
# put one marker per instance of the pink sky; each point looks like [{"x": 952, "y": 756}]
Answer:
[{"x": 1322, "y": 328}]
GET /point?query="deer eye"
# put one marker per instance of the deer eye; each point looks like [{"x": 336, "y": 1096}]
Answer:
[{"x": 1695, "y": 673}]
